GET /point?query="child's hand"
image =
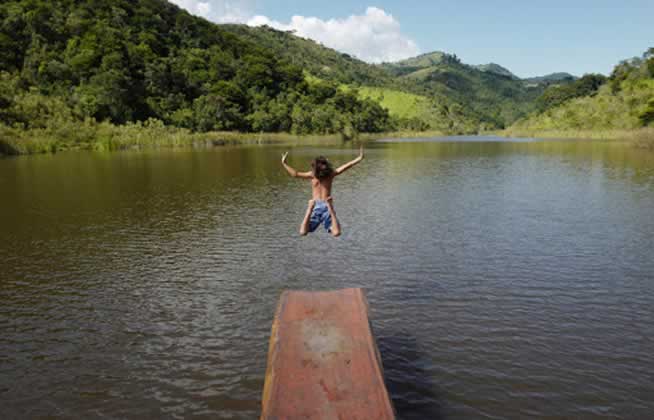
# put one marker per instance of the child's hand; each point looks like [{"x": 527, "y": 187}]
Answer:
[{"x": 284, "y": 157}]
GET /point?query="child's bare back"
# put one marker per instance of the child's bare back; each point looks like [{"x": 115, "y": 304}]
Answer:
[
  {"x": 321, "y": 208},
  {"x": 321, "y": 189}
]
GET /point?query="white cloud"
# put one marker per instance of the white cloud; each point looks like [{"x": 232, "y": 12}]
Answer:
[
  {"x": 220, "y": 11},
  {"x": 374, "y": 36},
  {"x": 204, "y": 8}
]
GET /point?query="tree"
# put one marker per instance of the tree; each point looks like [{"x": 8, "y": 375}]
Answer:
[
  {"x": 647, "y": 116},
  {"x": 215, "y": 112},
  {"x": 649, "y": 58},
  {"x": 105, "y": 97},
  {"x": 556, "y": 95}
]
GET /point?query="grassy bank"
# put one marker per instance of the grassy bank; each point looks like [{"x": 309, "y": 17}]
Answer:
[
  {"x": 640, "y": 137},
  {"x": 108, "y": 137},
  {"x": 402, "y": 135},
  {"x": 621, "y": 109},
  {"x": 153, "y": 134}
]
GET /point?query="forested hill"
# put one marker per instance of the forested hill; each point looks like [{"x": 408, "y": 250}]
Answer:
[
  {"x": 410, "y": 106},
  {"x": 322, "y": 62},
  {"x": 495, "y": 95},
  {"x": 623, "y": 101},
  {"x": 121, "y": 61},
  {"x": 449, "y": 93}
]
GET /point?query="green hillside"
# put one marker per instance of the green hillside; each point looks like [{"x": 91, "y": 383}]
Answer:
[
  {"x": 410, "y": 108},
  {"x": 552, "y": 78},
  {"x": 322, "y": 62},
  {"x": 401, "y": 104},
  {"x": 457, "y": 96},
  {"x": 495, "y": 99},
  {"x": 412, "y": 64},
  {"x": 496, "y": 69},
  {"x": 417, "y": 112},
  {"x": 624, "y": 102}
]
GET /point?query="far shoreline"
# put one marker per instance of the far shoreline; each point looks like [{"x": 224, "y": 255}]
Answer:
[
  {"x": 640, "y": 137},
  {"x": 104, "y": 136},
  {"x": 92, "y": 136}
]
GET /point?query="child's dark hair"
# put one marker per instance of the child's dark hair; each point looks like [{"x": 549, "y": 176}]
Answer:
[{"x": 322, "y": 169}]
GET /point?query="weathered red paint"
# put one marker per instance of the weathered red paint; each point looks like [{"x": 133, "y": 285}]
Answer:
[{"x": 323, "y": 362}]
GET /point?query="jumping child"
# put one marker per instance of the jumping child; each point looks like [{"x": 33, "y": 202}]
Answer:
[{"x": 321, "y": 208}]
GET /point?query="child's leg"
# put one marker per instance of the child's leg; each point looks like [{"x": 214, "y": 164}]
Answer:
[
  {"x": 336, "y": 227},
  {"x": 304, "y": 227}
]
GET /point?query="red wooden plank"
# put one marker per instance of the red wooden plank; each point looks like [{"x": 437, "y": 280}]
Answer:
[{"x": 323, "y": 361}]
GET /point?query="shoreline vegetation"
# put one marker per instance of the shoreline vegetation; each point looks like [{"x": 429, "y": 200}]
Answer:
[
  {"x": 596, "y": 107},
  {"x": 639, "y": 137},
  {"x": 104, "y": 136}
]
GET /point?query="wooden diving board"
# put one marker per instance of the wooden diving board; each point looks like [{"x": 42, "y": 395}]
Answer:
[{"x": 323, "y": 362}]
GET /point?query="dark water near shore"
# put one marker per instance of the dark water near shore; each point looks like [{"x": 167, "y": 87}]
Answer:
[{"x": 506, "y": 280}]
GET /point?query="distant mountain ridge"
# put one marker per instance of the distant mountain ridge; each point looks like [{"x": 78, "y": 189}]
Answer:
[
  {"x": 494, "y": 95},
  {"x": 497, "y": 69},
  {"x": 422, "y": 60},
  {"x": 434, "y": 58},
  {"x": 596, "y": 103},
  {"x": 551, "y": 78}
]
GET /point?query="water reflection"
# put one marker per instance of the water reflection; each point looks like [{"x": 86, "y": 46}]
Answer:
[
  {"x": 505, "y": 279},
  {"x": 415, "y": 395}
]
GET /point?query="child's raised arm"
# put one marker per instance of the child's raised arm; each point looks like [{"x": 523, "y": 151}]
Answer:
[
  {"x": 292, "y": 172},
  {"x": 350, "y": 164}
]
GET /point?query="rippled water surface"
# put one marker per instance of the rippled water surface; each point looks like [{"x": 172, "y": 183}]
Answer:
[{"x": 506, "y": 280}]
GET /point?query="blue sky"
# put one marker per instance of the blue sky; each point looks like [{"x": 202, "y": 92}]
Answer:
[{"x": 528, "y": 38}]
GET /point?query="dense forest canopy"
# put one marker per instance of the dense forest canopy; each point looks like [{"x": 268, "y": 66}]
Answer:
[
  {"x": 319, "y": 61},
  {"x": 134, "y": 60},
  {"x": 555, "y": 95}
]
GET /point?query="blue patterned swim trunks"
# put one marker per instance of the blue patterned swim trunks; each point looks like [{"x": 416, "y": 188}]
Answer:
[{"x": 320, "y": 215}]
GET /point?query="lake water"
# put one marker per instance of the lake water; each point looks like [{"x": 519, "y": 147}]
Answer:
[{"x": 505, "y": 279}]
